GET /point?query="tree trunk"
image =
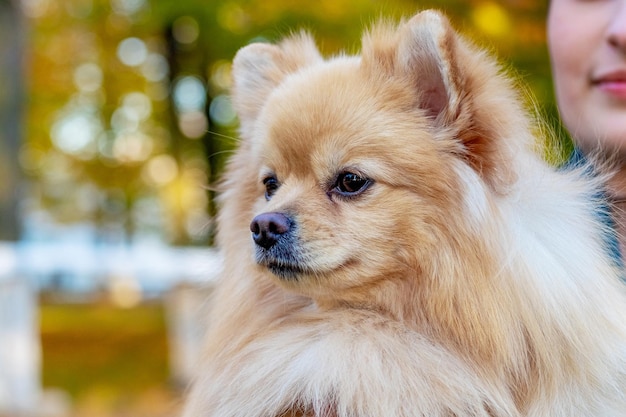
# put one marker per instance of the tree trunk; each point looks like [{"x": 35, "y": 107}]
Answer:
[{"x": 11, "y": 46}]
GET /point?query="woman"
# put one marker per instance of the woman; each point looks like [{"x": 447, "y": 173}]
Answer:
[{"x": 587, "y": 42}]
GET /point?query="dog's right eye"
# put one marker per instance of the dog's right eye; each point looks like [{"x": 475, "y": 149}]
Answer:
[{"x": 271, "y": 185}]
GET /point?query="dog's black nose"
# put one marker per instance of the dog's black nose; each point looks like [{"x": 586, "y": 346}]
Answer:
[{"x": 266, "y": 228}]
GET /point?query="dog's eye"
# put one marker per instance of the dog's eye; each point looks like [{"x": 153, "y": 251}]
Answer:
[
  {"x": 271, "y": 185},
  {"x": 350, "y": 184}
]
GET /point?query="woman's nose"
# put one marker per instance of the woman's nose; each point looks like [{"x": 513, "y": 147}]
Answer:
[{"x": 617, "y": 28}]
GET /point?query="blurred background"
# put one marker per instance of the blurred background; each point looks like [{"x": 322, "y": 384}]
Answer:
[{"x": 114, "y": 121}]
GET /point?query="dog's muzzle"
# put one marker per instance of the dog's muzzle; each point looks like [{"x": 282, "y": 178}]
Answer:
[{"x": 276, "y": 244}]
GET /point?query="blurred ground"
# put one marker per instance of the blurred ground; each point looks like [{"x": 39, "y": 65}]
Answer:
[{"x": 104, "y": 361}]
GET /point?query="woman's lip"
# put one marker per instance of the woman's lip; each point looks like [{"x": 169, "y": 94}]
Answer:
[
  {"x": 612, "y": 83},
  {"x": 613, "y": 88},
  {"x": 615, "y": 75}
]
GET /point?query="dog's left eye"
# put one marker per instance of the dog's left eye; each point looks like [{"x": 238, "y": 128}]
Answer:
[{"x": 350, "y": 184}]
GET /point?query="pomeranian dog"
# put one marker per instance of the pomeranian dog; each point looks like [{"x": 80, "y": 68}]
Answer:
[{"x": 395, "y": 246}]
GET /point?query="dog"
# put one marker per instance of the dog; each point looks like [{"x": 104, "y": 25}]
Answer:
[{"x": 395, "y": 245}]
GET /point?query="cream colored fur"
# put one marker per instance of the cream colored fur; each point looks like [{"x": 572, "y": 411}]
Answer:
[{"x": 470, "y": 278}]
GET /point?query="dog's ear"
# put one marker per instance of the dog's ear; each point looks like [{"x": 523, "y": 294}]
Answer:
[
  {"x": 426, "y": 55},
  {"x": 458, "y": 86},
  {"x": 423, "y": 54},
  {"x": 259, "y": 67}
]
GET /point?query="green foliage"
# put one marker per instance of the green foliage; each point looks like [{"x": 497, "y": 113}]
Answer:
[{"x": 87, "y": 346}]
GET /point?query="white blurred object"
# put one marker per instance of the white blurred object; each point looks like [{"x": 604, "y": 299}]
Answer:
[
  {"x": 187, "y": 309},
  {"x": 54, "y": 402},
  {"x": 20, "y": 349}
]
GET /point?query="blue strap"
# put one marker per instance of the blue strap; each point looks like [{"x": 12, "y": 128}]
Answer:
[{"x": 577, "y": 160}]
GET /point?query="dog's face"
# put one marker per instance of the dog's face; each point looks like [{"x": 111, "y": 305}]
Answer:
[
  {"x": 363, "y": 172},
  {"x": 342, "y": 163}
]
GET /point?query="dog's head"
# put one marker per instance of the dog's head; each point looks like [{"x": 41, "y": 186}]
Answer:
[{"x": 375, "y": 167}]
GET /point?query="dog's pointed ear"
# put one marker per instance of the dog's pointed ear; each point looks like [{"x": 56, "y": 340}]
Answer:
[
  {"x": 259, "y": 67},
  {"x": 426, "y": 54},
  {"x": 457, "y": 86}
]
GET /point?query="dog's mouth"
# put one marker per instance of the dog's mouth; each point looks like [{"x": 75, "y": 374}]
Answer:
[
  {"x": 288, "y": 272},
  {"x": 285, "y": 266}
]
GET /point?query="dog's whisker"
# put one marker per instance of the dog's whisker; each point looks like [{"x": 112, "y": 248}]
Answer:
[{"x": 233, "y": 139}]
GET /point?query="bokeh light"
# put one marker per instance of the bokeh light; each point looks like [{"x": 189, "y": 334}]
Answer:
[
  {"x": 88, "y": 77},
  {"x": 127, "y": 7},
  {"x": 160, "y": 170},
  {"x": 189, "y": 94},
  {"x": 185, "y": 29},
  {"x": 76, "y": 132},
  {"x": 132, "y": 51},
  {"x": 155, "y": 68},
  {"x": 492, "y": 19},
  {"x": 222, "y": 112}
]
